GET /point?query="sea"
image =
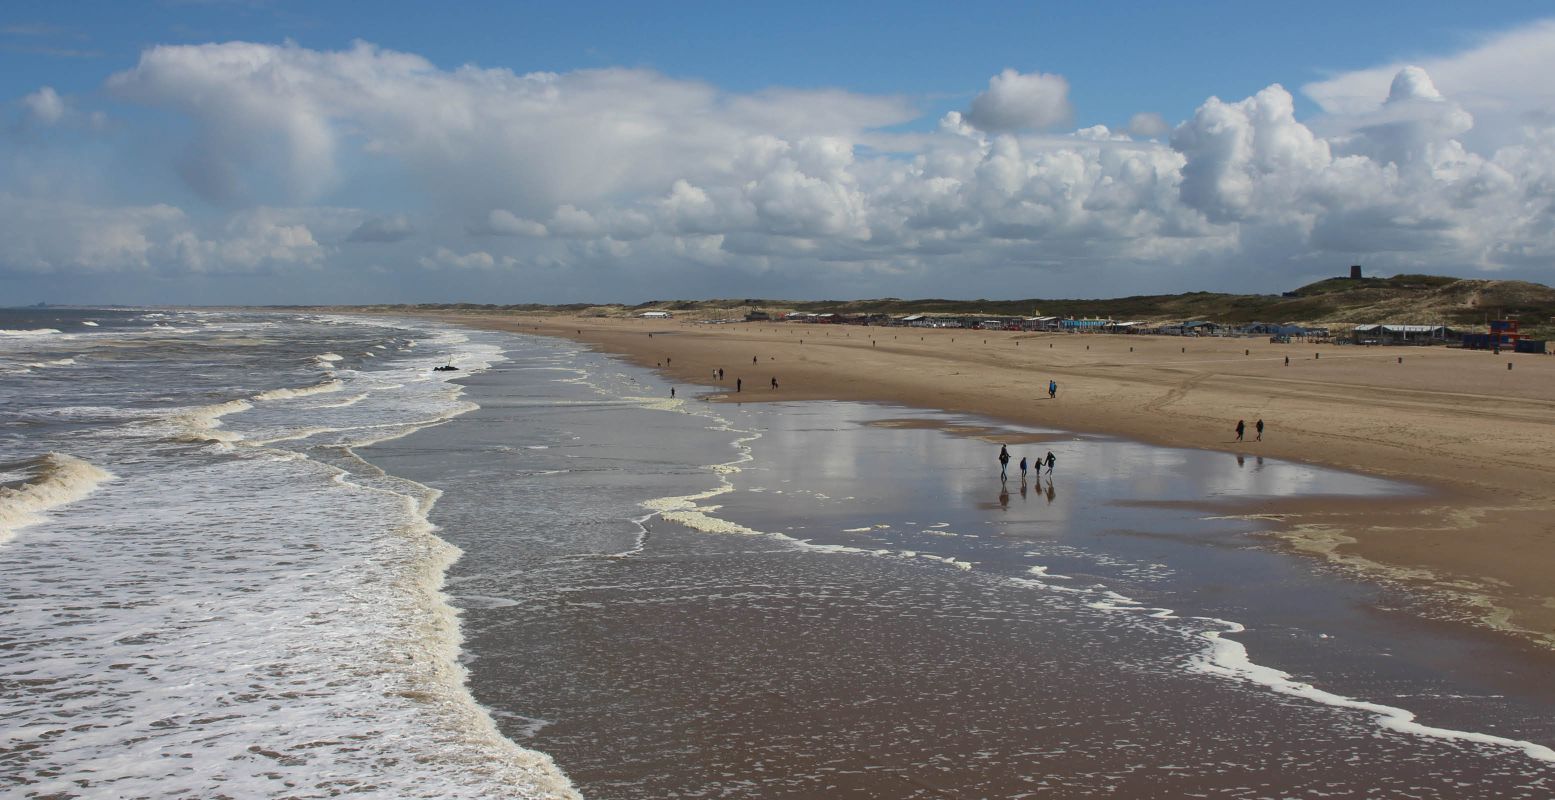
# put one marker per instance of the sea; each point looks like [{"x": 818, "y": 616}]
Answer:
[{"x": 280, "y": 555}]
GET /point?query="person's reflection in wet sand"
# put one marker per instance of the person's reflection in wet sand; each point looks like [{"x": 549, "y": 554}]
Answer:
[
  {"x": 1023, "y": 490},
  {"x": 1004, "y": 497},
  {"x": 1241, "y": 462},
  {"x": 1050, "y": 493}
]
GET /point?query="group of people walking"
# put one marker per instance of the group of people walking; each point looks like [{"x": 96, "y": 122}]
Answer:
[
  {"x": 1241, "y": 430},
  {"x": 1004, "y": 463}
]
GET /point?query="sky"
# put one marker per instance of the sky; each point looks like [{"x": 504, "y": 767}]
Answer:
[{"x": 263, "y": 152}]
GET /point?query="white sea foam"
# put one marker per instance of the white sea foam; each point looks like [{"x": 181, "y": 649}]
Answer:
[
  {"x": 28, "y": 333},
  {"x": 89, "y": 323},
  {"x": 349, "y": 401},
  {"x": 249, "y": 621},
  {"x": 56, "y": 480},
  {"x": 203, "y": 423},
  {"x": 1228, "y": 658}
]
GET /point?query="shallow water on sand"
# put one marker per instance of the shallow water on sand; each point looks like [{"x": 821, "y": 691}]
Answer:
[{"x": 676, "y": 598}]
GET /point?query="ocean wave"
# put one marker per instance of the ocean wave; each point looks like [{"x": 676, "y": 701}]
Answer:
[
  {"x": 203, "y": 423},
  {"x": 56, "y": 480},
  {"x": 349, "y": 401},
  {"x": 1228, "y": 658},
  {"x": 288, "y": 394},
  {"x": 29, "y": 332},
  {"x": 59, "y": 362},
  {"x": 89, "y": 323}
]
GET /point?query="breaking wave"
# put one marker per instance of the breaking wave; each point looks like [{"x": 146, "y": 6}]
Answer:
[
  {"x": 56, "y": 480},
  {"x": 288, "y": 394}
]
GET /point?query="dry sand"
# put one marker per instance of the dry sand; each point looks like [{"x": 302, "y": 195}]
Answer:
[{"x": 1480, "y": 436}]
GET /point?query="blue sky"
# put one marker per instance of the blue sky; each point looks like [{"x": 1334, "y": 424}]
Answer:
[{"x": 253, "y": 152}]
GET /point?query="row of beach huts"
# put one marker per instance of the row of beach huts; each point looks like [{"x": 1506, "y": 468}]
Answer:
[
  {"x": 1051, "y": 324},
  {"x": 1502, "y": 333}
]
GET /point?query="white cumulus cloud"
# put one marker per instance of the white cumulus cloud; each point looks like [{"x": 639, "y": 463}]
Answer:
[
  {"x": 640, "y": 182},
  {"x": 1016, "y": 101}
]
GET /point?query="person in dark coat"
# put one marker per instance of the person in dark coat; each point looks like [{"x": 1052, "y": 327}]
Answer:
[{"x": 1241, "y": 428}]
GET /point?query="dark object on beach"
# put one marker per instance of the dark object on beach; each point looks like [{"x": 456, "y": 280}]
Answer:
[
  {"x": 1287, "y": 361},
  {"x": 1259, "y": 427},
  {"x": 1051, "y": 462},
  {"x": 774, "y": 383},
  {"x": 446, "y": 368},
  {"x": 739, "y": 383},
  {"x": 1241, "y": 427},
  {"x": 753, "y": 359},
  {"x": 672, "y": 393},
  {"x": 1004, "y": 462}
]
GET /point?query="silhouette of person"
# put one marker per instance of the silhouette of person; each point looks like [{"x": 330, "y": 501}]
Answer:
[
  {"x": 1023, "y": 467},
  {"x": 1259, "y": 427},
  {"x": 1051, "y": 462},
  {"x": 1004, "y": 462},
  {"x": 1052, "y": 390},
  {"x": 672, "y": 393},
  {"x": 738, "y": 384},
  {"x": 774, "y": 383},
  {"x": 1241, "y": 427}
]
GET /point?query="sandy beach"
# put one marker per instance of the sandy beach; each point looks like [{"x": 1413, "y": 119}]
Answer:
[{"x": 1477, "y": 434}]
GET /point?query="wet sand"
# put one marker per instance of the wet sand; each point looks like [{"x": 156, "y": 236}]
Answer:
[
  {"x": 1480, "y": 435},
  {"x": 868, "y": 611}
]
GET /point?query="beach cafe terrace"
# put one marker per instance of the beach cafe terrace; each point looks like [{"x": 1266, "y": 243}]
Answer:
[{"x": 1402, "y": 334}]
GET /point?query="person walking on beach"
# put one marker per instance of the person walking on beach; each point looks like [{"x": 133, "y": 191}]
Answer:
[
  {"x": 1004, "y": 463},
  {"x": 1023, "y": 467},
  {"x": 1241, "y": 427},
  {"x": 1051, "y": 461},
  {"x": 738, "y": 383},
  {"x": 1052, "y": 390},
  {"x": 1259, "y": 427},
  {"x": 774, "y": 383},
  {"x": 672, "y": 393}
]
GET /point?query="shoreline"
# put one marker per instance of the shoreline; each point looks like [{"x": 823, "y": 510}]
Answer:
[{"x": 1477, "y": 538}]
